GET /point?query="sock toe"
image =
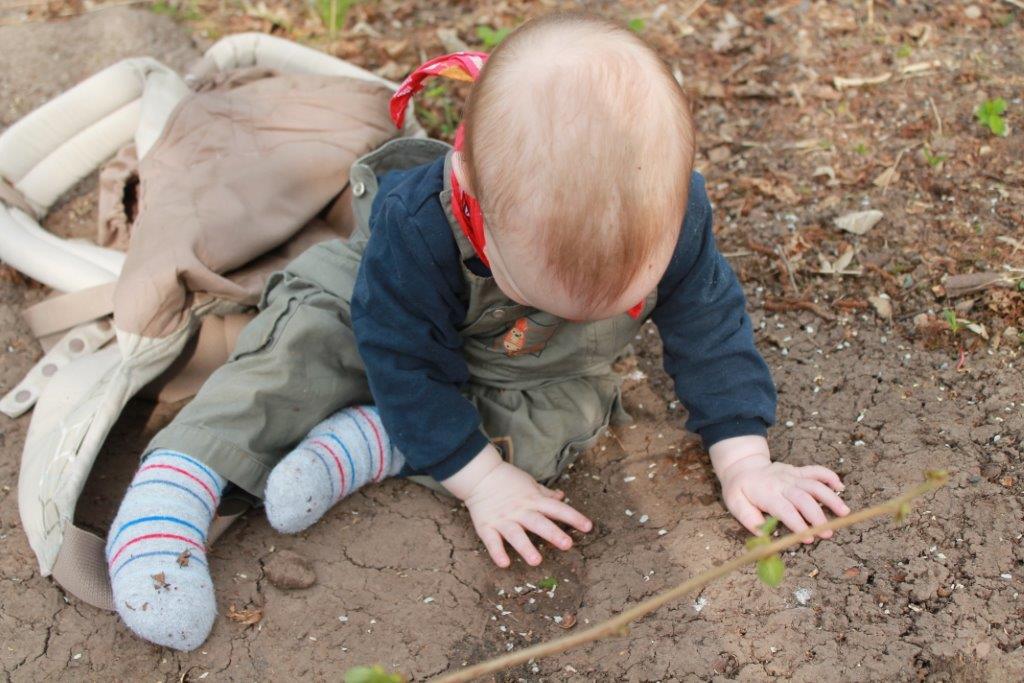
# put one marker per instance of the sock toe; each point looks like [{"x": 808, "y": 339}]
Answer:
[
  {"x": 170, "y": 606},
  {"x": 297, "y": 494}
]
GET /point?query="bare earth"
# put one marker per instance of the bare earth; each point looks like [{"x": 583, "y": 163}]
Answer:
[{"x": 398, "y": 575}]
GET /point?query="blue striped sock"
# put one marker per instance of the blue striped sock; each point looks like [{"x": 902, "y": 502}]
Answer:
[
  {"x": 156, "y": 550},
  {"x": 340, "y": 455}
]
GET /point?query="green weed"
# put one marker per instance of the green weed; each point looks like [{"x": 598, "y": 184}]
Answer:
[
  {"x": 934, "y": 160},
  {"x": 333, "y": 13},
  {"x": 372, "y": 674},
  {"x": 769, "y": 569},
  {"x": 491, "y": 37},
  {"x": 990, "y": 114},
  {"x": 949, "y": 315}
]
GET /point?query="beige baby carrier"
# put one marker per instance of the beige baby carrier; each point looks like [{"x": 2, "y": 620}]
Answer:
[{"x": 241, "y": 164}]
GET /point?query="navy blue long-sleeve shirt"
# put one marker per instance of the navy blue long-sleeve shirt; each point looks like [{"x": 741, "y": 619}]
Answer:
[{"x": 410, "y": 300}]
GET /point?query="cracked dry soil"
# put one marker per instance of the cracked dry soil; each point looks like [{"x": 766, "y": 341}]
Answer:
[{"x": 400, "y": 578}]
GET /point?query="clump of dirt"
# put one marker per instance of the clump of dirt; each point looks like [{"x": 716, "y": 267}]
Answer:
[
  {"x": 288, "y": 570},
  {"x": 806, "y": 112}
]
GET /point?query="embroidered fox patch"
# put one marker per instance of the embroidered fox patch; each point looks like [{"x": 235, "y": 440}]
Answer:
[{"x": 526, "y": 336}]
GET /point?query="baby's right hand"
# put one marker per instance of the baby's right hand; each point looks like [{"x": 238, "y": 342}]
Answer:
[{"x": 505, "y": 502}]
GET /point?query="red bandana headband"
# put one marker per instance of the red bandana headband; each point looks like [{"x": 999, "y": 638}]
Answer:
[{"x": 459, "y": 66}]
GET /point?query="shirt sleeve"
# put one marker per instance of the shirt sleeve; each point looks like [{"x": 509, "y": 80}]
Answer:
[
  {"x": 406, "y": 307},
  {"x": 708, "y": 342}
]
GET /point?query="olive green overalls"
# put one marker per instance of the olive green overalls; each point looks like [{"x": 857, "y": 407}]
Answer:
[{"x": 544, "y": 386}]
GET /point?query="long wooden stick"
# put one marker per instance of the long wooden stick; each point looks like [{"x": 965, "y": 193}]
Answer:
[{"x": 618, "y": 625}]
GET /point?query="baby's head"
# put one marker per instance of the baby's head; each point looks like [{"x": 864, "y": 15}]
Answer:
[{"x": 579, "y": 147}]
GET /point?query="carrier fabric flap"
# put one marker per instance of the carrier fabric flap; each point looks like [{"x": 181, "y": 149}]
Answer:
[{"x": 240, "y": 169}]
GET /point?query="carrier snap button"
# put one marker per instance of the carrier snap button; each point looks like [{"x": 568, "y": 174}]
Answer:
[
  {"x": 498, "y": 313},
  {"x": 359, "y": 189}
]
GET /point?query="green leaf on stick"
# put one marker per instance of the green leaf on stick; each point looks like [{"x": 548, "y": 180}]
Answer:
[{"x": 770, "y": 570}]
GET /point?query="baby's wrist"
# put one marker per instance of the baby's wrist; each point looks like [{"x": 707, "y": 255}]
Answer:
[
  {"x": 462, "y": 483},
  {"x": 731, "y": 455}
]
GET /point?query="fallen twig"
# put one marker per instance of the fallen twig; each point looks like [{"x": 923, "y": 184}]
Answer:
[
  {"x": 618, "y": 625},
  {"x": 842, "y": 83},
  {"x": 780, "y": 251},
  {"x": 850, "y": 304},
  {"x": 779, "y": 305}
]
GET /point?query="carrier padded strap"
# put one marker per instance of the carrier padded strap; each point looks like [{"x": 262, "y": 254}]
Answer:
[{"x": 65, "y": 311}]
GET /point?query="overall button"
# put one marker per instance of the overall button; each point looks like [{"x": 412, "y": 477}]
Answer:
[
  {"x": 498, "y": 313},
  {"x": 359, "y": 189}
]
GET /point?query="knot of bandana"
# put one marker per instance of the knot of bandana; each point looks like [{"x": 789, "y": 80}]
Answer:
[{"x": 458, "y": 66}]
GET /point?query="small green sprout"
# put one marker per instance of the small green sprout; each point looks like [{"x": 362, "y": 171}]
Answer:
[
  {"x": 769, "y": 569},
  {"x": 333, "y": 13},
  {"x": 902, "y": 513},
  {"x": 372, "y": 674},
  {"x": 934, "y": 159},
  {"x": 861, "y": 149},
  {"x": 637, "y": 25},
  {"x": 181, "y": 11},
  {"x": 954, "y": 323},
  {"x": 491, "y": 37},
  {"x": 548, "y": 583},
  {"x": 435, "y": 91},
  {"x": 990, "y": 114},
  {"x": 904, "y": 51}
]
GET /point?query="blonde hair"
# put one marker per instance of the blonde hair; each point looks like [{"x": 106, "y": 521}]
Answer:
[{"x": 576, "y": 125}]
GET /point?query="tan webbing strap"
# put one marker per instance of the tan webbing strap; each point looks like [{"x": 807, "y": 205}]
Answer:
[
  {"x": 81, "y": 566},
  {"x": 65, "y": 311},
  {"x": 11, "y": 196}
]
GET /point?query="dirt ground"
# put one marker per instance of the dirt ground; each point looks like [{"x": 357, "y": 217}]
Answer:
[{"x": 873, "y": 382}]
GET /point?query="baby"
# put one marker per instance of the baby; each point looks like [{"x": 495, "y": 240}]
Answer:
[{"x": 465, "y": 335}]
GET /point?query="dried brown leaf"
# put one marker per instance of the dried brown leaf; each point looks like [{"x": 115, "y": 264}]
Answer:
[{"x": 248, "y": 616}]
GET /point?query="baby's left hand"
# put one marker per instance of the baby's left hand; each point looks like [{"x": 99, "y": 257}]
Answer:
[{"x": 752, "y": 484}]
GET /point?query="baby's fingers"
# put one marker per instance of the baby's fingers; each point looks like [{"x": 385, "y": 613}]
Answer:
[
  {"x": 824, "y": 475},
  {"x": 518, "y": 539},
  {"x": 548, "y": 530},
  {"x": 825, "y": 495},
  {"x": 809, "y": 508},
  {"x": 787, "y": 514},
  {"x": 495, "y": 546},
  {"x": 746, "y": 514},
  {"x": 551, "y": 493},
  {"x": 563, "y": 512}
]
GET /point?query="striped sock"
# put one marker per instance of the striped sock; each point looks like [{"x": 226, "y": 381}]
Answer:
[
  {"x": 156, "y": 552},
  {"x": 340, "y": 455}
]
